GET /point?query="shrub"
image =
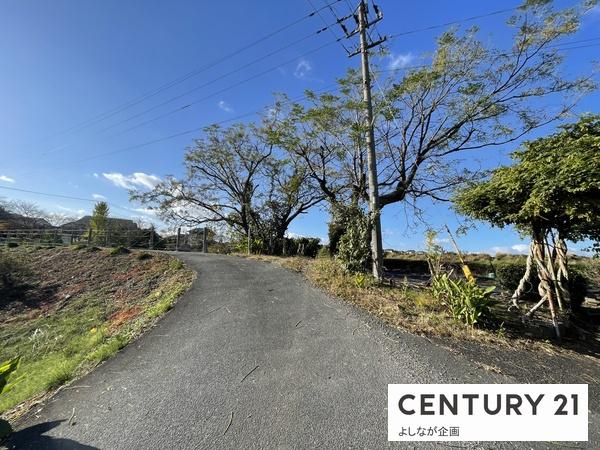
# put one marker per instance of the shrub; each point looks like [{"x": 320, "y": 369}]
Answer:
[
  {"x": 509, "y": 273},
  {"x": 467, "y": 302},
  {"x": 143, "y": 256},
  {"x": 12, "y": 244},
  {"x": 119, "y": 250},
  {"x": 175, "y": 264},
  {"x": 302, "y": 246},
  {"x": 79, "y": 246},
  {"x": 323, "y": 252},
  {"x": 10, "y": 270},
  {"x": 353, "y": 248}
]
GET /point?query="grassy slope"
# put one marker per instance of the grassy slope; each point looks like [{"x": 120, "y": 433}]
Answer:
[{"x": 80, "y": 308}]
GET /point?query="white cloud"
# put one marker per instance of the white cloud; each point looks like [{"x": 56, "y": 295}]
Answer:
[
  {"x": 520, "y": 248},
  {"x": 7, "y": 179},
  {"x": 400, "y": 61},
  {"x": 96, "y": 175},
  {"x": 133, "y": 180},
  {"x": 99, "y": 196},
  {"x": 225, "y": 106},
  {"x": 147, "y": 211},
  {"x": 303, "y": 69},
  {"x": 516, "y": 248},
  {"x": 495, "y": 250},
  {"x": 78, "y": 212}
]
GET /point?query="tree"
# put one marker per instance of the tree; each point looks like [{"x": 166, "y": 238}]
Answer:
[
  {"x": 99, "y": 220},
  {"x": 27, "y": 214},
  {"x": 552, "y": 194},
  {"x": 238, "y": 178},
  {"x": 468, "y": 96},
  {"x": 58, "y": 219}
]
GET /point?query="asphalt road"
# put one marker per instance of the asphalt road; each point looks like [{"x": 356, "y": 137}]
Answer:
[{"x": 250, "y": 357}]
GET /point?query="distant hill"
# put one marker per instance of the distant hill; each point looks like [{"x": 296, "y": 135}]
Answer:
[
  {"x": 11, "y": 221},
  {"x": 113, "y": 224}
]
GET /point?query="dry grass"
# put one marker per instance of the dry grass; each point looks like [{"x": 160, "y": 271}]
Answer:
[{"x": 406, "y": 308}]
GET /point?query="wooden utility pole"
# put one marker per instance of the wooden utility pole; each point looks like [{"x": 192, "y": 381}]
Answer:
[{"x": 374, "y": 211}]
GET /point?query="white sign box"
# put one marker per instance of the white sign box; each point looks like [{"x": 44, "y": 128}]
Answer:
[{"x": 487, "y": 412}]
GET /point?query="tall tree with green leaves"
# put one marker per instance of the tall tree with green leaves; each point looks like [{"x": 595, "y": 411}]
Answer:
[
  {"x": 99, "y": 220},
  {"x": 552, "y": 194},
  {"x": 236, "y": 177},
  {"x": 468, "y": 95}
]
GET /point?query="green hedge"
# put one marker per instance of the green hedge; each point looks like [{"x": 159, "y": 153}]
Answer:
[{"x": 508, "y": 275}]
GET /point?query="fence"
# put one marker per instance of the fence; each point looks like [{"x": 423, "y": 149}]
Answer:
[{"x": 138, "y": 238}]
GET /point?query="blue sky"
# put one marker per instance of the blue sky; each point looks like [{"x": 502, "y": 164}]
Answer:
[{"x": 67, "y": 61}]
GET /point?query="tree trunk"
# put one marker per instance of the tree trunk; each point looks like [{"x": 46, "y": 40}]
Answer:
[
  {"x": 562, "y": 275},
  {"x": 525, "y": 279},
  {"x": 545, "y": 288}
]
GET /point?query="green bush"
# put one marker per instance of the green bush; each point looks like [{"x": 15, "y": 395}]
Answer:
[
  {"x": 578, "y": 285},
  {"x": 143, "y": 256},
  {"x": 11, "y": 269},
  {"x": 467, "y": 302},
  {"x": 301, "y": 246},
  {"x": 175, "y": 264},
  {"x": 509, "y": 273},
  {"x": 353, "y": 250},
  {"x": 12, "y": 244}
]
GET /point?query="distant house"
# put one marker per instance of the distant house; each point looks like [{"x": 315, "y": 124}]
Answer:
[
  {"x": 11, "y": 221},
  {"x": 113, "y": 224}
]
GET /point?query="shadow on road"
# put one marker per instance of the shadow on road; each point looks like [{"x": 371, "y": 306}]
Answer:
[{"x": 32, "y": 437}]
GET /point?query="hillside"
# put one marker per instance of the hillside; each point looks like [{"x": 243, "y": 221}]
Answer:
[
  {"x": 71, "y": 308},
  {"x": 11, "y": 221}
]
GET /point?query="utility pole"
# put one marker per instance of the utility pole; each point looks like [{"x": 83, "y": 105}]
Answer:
[{"x": 374, "y": 211}]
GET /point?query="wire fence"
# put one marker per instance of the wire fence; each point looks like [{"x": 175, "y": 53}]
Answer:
[{"x": 195, "y": 240}]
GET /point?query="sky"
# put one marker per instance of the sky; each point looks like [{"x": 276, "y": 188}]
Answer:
[{"x": 81, "y": 81}]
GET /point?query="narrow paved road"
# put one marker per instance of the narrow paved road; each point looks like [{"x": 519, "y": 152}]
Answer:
[{"x": 296, "y": 368}]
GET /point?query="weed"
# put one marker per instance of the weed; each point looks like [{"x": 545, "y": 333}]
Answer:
[
  {"x": 107, "y": 349},
  {"x": 120, "y": 250},
  {"x": 360, "y": 279},
  {"x": 78, "y": 247},
  {"x": 466, "y": 301},
  {"x": 60, "y": 374},
  {"x": 175, "y": 264}
]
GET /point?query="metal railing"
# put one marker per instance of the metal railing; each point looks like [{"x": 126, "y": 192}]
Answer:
[{"x": 130, "y": 238}]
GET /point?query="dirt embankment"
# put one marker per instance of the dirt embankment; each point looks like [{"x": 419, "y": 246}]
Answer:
[{"x": 71, "y": 308}]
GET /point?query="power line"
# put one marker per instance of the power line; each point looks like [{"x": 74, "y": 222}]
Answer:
[
  {"x": 110, "y": 113},
  {"x": 325, "y": 22},
  {"x": 185, "y": 132},
  {"x": 454, "y": 22},
  {"x": 68, "y": 197},
  {"x": 189, "y": 131},
  {"x": 559, "y": 47},
  {"x": 183, "y": 107}
]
